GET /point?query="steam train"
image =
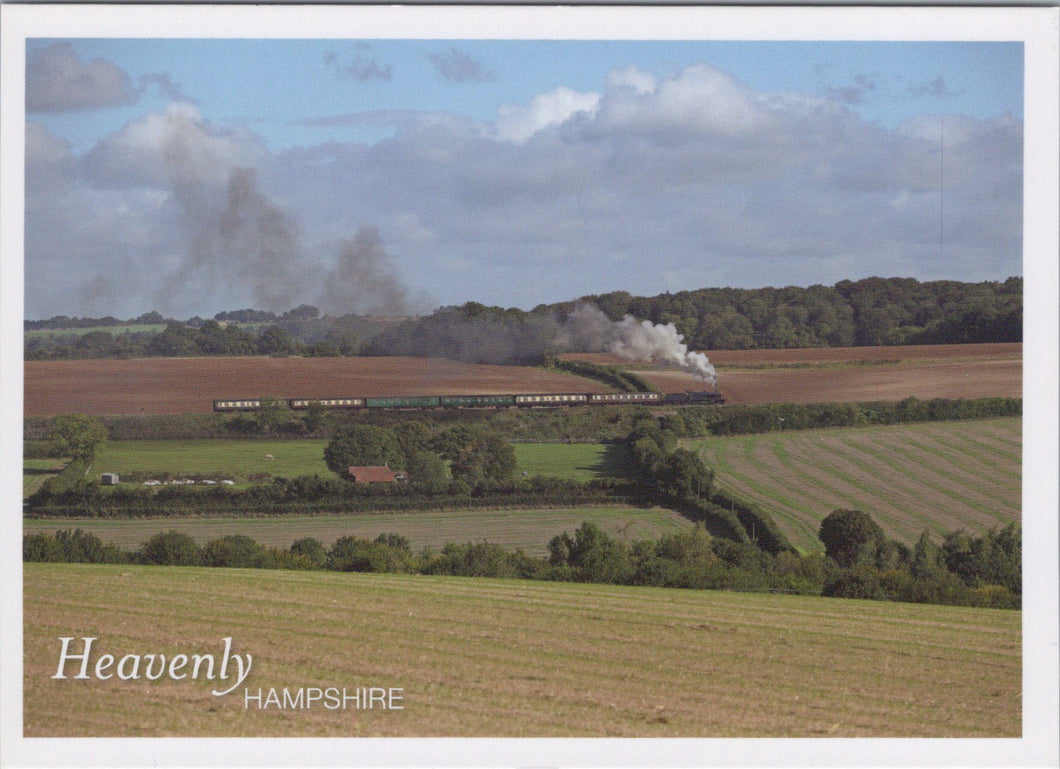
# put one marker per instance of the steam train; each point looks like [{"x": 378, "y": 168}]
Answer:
[{"x": 539, "y": 400}]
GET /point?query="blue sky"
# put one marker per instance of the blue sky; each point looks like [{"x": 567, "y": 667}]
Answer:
[
  {"x": 218, "y": 174},
  {"x": 271, "y": 85}
]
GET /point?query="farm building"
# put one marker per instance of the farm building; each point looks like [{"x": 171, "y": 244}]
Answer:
[
  {"x": 374, "y": 474},
  {"x": 109, "y": 479}
]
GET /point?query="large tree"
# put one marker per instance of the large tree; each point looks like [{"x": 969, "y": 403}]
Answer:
[
  {"x": 363, "y": 445},
  {"x": 78, "y": 435},
  {"x": 851, "y": 538},
  {"x": 476, "y": 455}
]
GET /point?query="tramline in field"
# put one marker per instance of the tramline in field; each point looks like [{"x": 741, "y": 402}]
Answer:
[{"x": 538, "y": 400}]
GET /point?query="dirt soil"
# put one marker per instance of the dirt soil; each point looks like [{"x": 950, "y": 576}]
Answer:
[
  {"x": 190, "y": 385},
  {"x": 819, "y": 375},
  {"x": 843, "y": 374}
]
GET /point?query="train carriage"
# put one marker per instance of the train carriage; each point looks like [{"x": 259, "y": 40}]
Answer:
[
  {"x": 330, "y": 403},
  {"x": 551, "y": 399},
  {"x": 476, "y": 401},
  {"x": 622, "y": 398},
  {"x": 403, "y": 402},
  {"x": 238, "y": 404}
]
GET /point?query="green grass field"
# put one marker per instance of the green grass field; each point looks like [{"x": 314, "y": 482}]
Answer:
[
  {"x": 135, "y": 328},
  {"x": 36, "y": 471},
  {"x": 237, "y": 460},
  {"x": 576, "y": 461},
  {"x": 938, "y": 476},
  {"x": 530, "y": 530},
  {"x": 240, "y": 460},
  {"x": 494, "y": 658}
]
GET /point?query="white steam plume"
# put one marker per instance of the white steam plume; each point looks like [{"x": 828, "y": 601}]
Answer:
[{"x": 588, "y": 328}]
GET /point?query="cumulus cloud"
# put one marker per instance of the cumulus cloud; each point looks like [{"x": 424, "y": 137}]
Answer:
[
  {"x": 700, "y": 100},
  {"x": 651, "y": 184},
  {"x": 518, "y": 123},
  {"x": 631, "y": 77},
  {"x": 57, "y": 81}
]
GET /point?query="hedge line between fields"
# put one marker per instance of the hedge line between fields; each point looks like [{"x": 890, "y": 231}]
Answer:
[
  {"x": 313, "y": 494},
  {"x": 587, "y": 423}
]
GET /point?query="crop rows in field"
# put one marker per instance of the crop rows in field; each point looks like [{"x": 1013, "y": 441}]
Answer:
[
  {"x": 939, "y": 476},
  {"x": 530, "y": 530},
  {"x": 495, "y": 658}
]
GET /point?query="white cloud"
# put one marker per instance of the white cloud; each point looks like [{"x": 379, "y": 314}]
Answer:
[
  {"x": 698, "y": 101},
  {"x": 694, "y": 178},
  {"x": 631, "y": 77},
  {"x": 517, "y": 123},
  {"x": 177, "y": 146}
]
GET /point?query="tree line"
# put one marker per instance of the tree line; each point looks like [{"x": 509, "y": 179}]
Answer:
[
  {"x": 872, "y": 311},
  {"x": 858, "y": 561}
]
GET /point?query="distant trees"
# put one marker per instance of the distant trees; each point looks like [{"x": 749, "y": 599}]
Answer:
[
  {"x": 964, "y": 570},
  {"x": 872, "y": 311}
]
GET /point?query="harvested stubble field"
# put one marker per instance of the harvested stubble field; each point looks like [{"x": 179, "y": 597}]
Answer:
[
  {"x": 529, "y": 530},
  {"x": 938, "y": 476},
  {"x": 495, "y": 658},
  {"x": 846, "y": 374},
  {"x": 190, "y": 385}
]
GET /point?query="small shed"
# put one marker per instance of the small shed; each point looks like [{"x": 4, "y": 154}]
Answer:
[
  {"x": 372, "y": 474},
  {"x": 109, "y": 479}
]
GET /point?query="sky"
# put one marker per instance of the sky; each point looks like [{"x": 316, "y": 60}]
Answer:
[{"x": 394, "y": 176}]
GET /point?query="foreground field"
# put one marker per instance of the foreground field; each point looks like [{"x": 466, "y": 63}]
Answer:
[
  {"x": 527, "y": 529},
  {"x": 479, "y": 657},
  {"x": 938, "y": 476}
]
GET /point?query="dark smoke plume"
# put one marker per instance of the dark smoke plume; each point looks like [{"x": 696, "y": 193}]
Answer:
[
  {"x": 242, "y": 242},
  {"x": 477, "y": 334},
  {"x": 363, "y": 281}
]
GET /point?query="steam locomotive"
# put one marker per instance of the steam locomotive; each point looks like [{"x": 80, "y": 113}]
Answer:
[{"x": 539, "y": 400}]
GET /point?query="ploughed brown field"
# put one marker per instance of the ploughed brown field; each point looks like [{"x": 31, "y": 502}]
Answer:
[
  {"x": 844, "y": 374},
  {"x": 190, "y": 385},
  {"x": 819, "y": 375}
]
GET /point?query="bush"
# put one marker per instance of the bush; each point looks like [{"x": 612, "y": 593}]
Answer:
[
  {"x": 863, "y": 583},
  {"x": 312, "y": 550},
  {"x": 42, "y": 548},
  {"x": 234, "y": 550},
  {"x": 353, "y": 554},
  {"x": 171, "y": 549}
]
